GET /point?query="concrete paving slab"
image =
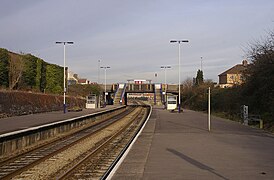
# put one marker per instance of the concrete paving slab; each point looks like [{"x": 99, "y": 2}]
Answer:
[
  {"x": 180, "y": 147},
  {"x": 23, "y": 122}
]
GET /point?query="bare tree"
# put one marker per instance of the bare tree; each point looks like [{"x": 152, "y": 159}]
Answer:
[
  {"x": 187, "y": 84},
  {"x": 16, "y": 67}
]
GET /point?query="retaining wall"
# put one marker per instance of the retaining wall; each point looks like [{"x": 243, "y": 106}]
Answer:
[{"x": 14, "y": 103}]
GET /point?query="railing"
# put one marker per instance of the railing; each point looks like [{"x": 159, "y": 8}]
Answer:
[
  {"x": 140, "y": 87},
  {"x": 123, "y": 93},
  {"x": 172, "y": 88},
  {"x": 116, "y": 90}
]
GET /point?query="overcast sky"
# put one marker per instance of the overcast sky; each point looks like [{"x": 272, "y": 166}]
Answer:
[{"x": 132, "y": 36}]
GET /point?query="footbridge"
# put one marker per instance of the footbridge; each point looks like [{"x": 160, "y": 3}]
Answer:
[{"x": 120, "y": 92}]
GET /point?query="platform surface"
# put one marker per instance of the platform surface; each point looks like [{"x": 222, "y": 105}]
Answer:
[
  {"x": 26, "y": 121},
  {"x": 179, "y": 146}
]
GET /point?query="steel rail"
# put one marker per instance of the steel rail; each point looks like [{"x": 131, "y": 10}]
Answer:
[
  {"x": 116, "y": 163},
  {"x": 69, "y": 173},
  {"x": 23, "y": 166}
]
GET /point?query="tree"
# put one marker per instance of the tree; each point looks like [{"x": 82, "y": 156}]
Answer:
[
  {"x": 28, "y": 80},
  {"x": 16, "y": 67},
  {"x": 199, "y": 77},
  {"x": 187, "y": 84},
  {"x": 38, "y": 79},
  {"x": 195, "y": 97},
  {"x": 4, "y": 64},
  {"x": 43, "y": 82},
  {"x": 84, "y": 90},
  {"x": 259, "y": 77},
  {"x": 54, "y": 78}
]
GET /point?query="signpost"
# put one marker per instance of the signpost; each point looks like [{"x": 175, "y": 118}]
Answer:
[{"x": 245, "y": 114}]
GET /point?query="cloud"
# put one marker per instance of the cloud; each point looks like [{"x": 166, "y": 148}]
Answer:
[{"x": 133, "y": 36}]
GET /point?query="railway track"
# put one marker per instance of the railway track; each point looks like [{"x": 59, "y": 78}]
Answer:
[
  {"x": 65, "y": 158},
  {"x": 95, "y": 164}
]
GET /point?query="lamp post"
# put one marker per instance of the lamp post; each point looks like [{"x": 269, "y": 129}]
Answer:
[
  {"x": 165, "y": 67},
  {"x": 64, "y": 43},
  {"x": 209, "y": 123},
  {"x": 201, "y": 63},
  {"x": 179, "y": 83},
  {"x": 105, "y": 67},
  {"x": 99, "y": 71}
]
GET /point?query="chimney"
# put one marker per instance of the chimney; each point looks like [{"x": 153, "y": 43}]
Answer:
[{"x": 245, "y": 63}]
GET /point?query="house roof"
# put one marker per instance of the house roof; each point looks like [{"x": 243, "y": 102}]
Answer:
[
  {"x": 239, "y": 68},
  {"x": 82, "y": 80}
]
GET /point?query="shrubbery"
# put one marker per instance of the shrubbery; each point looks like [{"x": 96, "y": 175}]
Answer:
[
  {"x": 27, "y": 72},
  {"x": 84, "y": 90},
  {"x": 4, "y": 68},
  {"x": 257, "y": 91}
]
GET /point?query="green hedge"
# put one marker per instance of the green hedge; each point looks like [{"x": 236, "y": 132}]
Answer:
[
  {"x": 4, "y": 68},
  {"x": 37, "y": 74}
]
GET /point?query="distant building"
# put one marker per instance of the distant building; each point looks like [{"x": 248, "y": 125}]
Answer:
[
  {"x": 83, "y": 81},
  {"x": 233, "y": 76},
  {"x": 72, "y": 78},
  {"x": 75, "y": 79}
]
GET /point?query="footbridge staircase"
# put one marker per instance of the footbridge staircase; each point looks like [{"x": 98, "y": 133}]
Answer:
[{"x": 119, "y": 94}]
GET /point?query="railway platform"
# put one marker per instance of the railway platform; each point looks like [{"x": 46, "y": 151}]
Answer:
[
  {"x": 26, "y": 121},
  {"x": 179, "y": 146}
]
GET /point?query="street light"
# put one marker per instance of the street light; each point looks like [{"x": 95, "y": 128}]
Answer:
[
  {"x": 64, "y": 42},
  {"x": 201, "y": 63},
  {"x": 105, "y": 67},
  {"x": 99, "y": 71},
  {"x": 165, "y": 67},
  {"x": 179, "y": 42}
]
